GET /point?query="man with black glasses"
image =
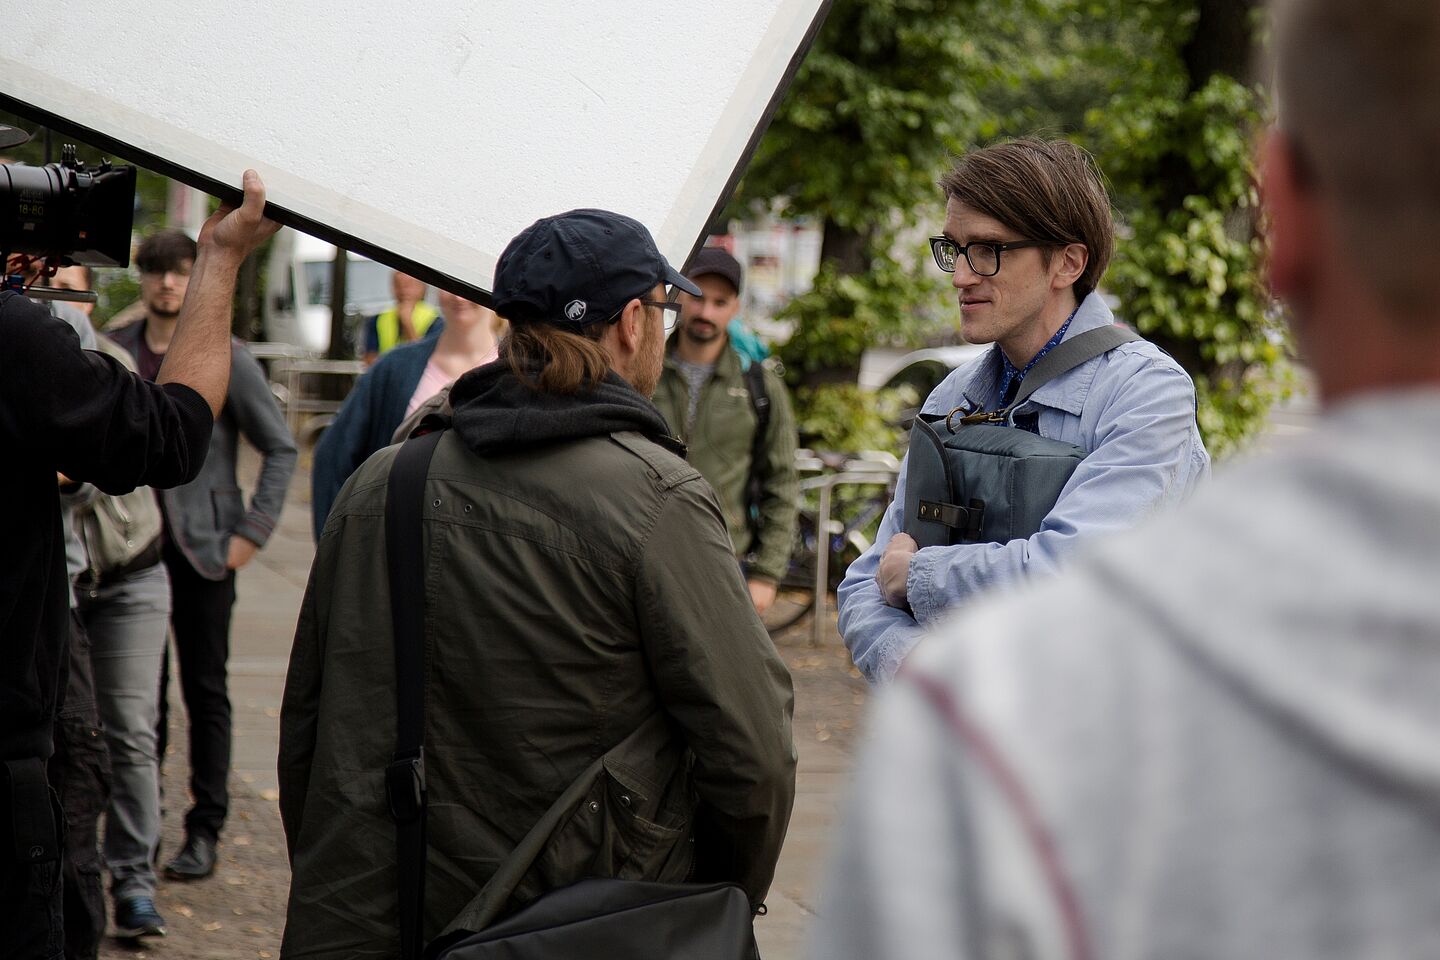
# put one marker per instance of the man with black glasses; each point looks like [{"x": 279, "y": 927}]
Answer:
[
  {"x": 1028, "y": 234},
  {"x": 1216, "y": 736}
]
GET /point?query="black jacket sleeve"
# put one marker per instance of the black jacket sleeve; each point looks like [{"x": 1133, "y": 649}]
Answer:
[{"x": 88, "y": 416}]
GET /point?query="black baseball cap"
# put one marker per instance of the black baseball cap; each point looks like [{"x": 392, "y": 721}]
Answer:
[
  {"x": 579, "y": 268},
  {"x": 715, "y": 261}
]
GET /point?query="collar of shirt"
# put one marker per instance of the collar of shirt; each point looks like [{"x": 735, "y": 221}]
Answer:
[
  {"x": 976, "y": 385},
  {"x": 1012, "y": 377}
]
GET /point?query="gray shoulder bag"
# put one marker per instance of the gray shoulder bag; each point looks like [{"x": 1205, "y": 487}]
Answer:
[{"x": 977, "y": 478}]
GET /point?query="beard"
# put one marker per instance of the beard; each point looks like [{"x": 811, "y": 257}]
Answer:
[{"x": 703, "y": 331}]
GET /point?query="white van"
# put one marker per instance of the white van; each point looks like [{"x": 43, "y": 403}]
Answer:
[{"x": 297, "y": 290}]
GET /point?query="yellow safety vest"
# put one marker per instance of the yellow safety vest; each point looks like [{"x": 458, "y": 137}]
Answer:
[{"x": 387, "y": 324}]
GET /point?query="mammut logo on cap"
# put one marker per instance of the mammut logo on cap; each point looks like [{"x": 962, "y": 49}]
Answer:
[{"x": 575, "y": 310}]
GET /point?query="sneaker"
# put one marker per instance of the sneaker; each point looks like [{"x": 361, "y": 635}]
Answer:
[
  {"x": 195, "y": 860},
  {"x": 137, "y": 917}
]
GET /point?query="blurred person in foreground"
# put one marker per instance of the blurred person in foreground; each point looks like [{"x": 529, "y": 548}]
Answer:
[
  {"x": 79, "y": 413},
  {"x": 1220, "y": 736},
  {"x": 394, "y": 389},
  {"x": 583, "y": 605}
]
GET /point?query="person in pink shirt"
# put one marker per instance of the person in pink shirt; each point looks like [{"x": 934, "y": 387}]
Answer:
[{"x": 402, "y": 380}]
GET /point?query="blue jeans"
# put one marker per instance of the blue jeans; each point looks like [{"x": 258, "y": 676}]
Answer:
[{"x": 127, "y": 619}]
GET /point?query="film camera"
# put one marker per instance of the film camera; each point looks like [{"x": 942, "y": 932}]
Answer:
[{"x": 62, "y": 214}]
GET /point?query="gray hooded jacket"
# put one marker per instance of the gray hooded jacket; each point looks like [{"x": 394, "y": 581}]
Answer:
[{"x": 1220, "y": 737}]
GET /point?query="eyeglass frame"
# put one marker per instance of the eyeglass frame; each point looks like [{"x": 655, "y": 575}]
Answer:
[
  {"x": 667, "y": 308},
  {"x": 999, "y": 248}
]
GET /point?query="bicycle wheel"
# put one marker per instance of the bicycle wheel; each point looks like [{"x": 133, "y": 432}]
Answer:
[
  {"x": 855, "y": 520},
  {"x": 795, "y": 596}
]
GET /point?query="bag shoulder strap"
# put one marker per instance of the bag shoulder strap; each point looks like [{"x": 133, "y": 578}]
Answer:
[
  {"x": 405, "y": 775},
  {"x": 759, "y": 394},
  {"x": 490, "y": 903},
  {"x": 760, "y": 401},
  {"x": 1069, "y": 354}
]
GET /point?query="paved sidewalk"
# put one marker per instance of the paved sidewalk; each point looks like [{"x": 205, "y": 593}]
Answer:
[{"x": 240, "y": 911}]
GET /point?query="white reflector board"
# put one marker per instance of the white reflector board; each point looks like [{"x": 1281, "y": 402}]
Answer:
[{"x": 425, "y": 136}]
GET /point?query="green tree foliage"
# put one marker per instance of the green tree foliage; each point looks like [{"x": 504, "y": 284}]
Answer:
[
  {"x": 858, "y": 143},
  {"x": 1159, "y": 90}
]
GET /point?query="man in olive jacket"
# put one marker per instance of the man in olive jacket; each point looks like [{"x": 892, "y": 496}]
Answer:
[
  {"x": 707, "y": 393},
  {"x": 584, "y": 616}
]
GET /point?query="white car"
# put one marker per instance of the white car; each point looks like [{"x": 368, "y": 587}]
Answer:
[
  {"x": 883, "y": 369},
  {"x": 297, "y": 290}
]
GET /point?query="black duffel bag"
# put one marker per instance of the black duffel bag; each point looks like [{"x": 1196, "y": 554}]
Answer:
[
  {"x": 620, "y": 918},
  {"x": 597, "y": 917},
  {"x": 977, "y": 478}
]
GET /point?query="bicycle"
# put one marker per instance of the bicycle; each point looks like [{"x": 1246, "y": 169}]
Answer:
[{"x": 856, "y": 507}]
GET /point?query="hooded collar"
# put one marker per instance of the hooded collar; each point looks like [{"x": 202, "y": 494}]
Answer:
[{"x": 496, "y": 413}]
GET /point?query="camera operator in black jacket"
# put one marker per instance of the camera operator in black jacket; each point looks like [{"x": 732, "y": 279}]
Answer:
[{"x": 80, "y": 413}]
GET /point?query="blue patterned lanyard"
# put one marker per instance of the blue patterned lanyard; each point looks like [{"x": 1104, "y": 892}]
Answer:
[{"x": 1012, "y": 376}]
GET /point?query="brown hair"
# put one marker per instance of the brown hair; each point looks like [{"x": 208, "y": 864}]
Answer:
[
  {"x": 552, "y": 360},
  {"x": 1045, "y": 190},
  {"x": 164, "y": 250},
  {"x": 1359, "y": 98}
]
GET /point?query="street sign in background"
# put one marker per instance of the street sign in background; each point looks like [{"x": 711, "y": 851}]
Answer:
[{"x": 425, "y": 136}]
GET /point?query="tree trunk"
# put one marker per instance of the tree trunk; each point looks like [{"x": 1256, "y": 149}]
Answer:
[
  {"x": 247, "y": 298},
  {"x": 847, "y": 248},
  {"x": 1224, "y": 42},
  {"x": 339, "y": 343},
  {"x": 335, "y": 388}
]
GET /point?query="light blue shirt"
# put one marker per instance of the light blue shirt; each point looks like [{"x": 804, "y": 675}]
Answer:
[{"x": 1133, "y": 412}]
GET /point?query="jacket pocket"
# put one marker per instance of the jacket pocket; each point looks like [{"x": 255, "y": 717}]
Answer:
[
  {"x": 648, "y": 844},
  {"x": 613, "y": 833},
  {"x": 229, "y": 508}
]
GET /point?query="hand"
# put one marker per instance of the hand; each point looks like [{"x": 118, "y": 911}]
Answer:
[
  {"x": 240, "y": 231},
  {"x": 762, "y": 594},
  {"x": 895, "y": 570},
  {"x": 239, "y": 553}
]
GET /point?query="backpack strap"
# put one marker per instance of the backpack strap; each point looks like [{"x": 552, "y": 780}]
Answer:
[
  {"x": 405, "y": 775},
  {"x": 760, "y": 401},
  {"x": 1069, "y": 354}
]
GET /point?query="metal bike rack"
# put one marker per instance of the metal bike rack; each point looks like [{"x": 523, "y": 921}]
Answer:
[{"x": 860, "y": 471}]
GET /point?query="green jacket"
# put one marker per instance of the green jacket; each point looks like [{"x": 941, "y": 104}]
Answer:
[
  {"x": 720, "y": 447},
  {"x": 586, "y": 623}
]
